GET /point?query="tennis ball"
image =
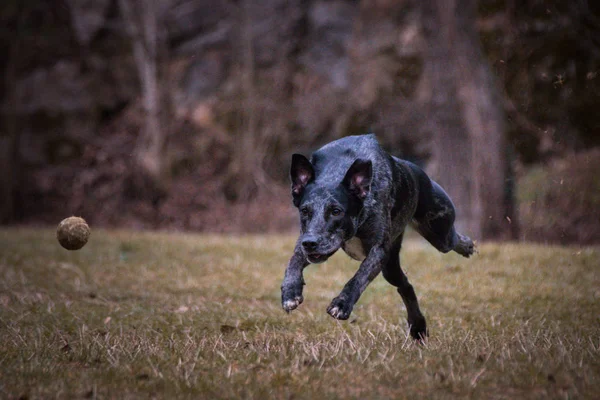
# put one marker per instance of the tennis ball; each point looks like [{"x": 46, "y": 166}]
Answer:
[{"x": 73, "y": 233}]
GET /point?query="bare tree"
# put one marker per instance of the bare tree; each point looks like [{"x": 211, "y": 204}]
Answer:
[
  {"x": 9, "y": 155},
  {"x": 10, "y": 184},
  {"x": 141, "y": 19},
  {"x": 261, "y": 118},
  {"x": 466, "y": 118},
  {"x": 247, "y": 153}
]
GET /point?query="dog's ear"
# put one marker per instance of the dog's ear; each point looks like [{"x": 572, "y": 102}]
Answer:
[
  {"x": 358, "y": 178},
  {"x": 301, "y": 174}
]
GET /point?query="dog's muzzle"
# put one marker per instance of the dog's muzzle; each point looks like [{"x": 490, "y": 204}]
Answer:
[{"x": 315, "y": 254}]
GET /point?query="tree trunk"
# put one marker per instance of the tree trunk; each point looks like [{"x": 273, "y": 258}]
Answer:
[
  {"x": 246, "y": 172},
  {"x": 7, "y": 181},
  {"x": 141, "y": 19},
  {"x": 466, "y": 119},
  {"x": 10, "y": 160},
  {"x": 249, "y": 161}
]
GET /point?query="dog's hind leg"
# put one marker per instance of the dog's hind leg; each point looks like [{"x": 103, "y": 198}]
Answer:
[
  {"x": 434, "y": 220},
  {"x": 392, "y": 272}
]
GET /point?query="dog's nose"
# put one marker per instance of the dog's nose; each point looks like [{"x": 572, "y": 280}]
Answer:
[{"x": 309, "y": 244}]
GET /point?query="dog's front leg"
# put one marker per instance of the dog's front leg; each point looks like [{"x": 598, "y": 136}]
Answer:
[
  {"x": 341, "y": 306},
  {"x": 293, "y": 281}
]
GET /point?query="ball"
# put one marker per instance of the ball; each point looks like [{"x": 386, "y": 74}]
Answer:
[{"x": 73, "y": 233}]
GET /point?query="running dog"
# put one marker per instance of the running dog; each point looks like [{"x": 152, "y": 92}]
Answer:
[{"x": 354, "y": 196}]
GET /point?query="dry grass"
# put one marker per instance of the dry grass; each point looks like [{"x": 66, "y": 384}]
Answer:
[{"x": 138, "y": 315}]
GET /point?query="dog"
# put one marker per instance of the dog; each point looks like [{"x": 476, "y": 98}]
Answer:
[{"x": 352, "y": 195}]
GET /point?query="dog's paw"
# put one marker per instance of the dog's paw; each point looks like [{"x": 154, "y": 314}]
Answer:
[
  {"x": 291, "y": 304},
  {"x": 465, "y": 246},
  {"x": 291, "y": 297},
  {"x": 418, "y": 329},
  {"x": 339, "y": 309}
]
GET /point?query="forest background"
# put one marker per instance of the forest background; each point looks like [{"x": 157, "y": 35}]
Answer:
[{"x": 183, "y": 114}]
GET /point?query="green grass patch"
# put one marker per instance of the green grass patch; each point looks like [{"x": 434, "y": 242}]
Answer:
[{"x": 138, "y": 315}]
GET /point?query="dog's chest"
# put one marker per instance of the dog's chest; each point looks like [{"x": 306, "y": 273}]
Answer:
[{"x": 354, "y": 248}]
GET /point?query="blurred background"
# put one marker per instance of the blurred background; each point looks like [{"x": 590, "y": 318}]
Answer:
[{"x": 183, "y": 114}]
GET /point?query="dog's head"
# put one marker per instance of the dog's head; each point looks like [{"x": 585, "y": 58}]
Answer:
[{"x": 328, "y": 210}]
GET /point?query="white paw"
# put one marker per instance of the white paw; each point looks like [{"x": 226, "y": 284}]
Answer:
[
  {"x": 335, "y": 312},
  {"x": 289, "y": 305},
  {"x": 339, "y": 311}
]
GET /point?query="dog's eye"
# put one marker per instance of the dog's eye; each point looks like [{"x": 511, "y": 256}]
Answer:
[
  {"x": 304, "y": 211},
  {"x": 336, "y": 212}
]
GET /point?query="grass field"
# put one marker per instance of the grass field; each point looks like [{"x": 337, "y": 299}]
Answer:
[{"x": 139, "y": 315}]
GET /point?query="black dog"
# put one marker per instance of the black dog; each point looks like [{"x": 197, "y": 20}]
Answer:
[{"x": 355, "y": 196}]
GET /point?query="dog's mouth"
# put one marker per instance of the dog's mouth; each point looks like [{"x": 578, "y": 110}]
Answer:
[{"x": 317, "y": 258}]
